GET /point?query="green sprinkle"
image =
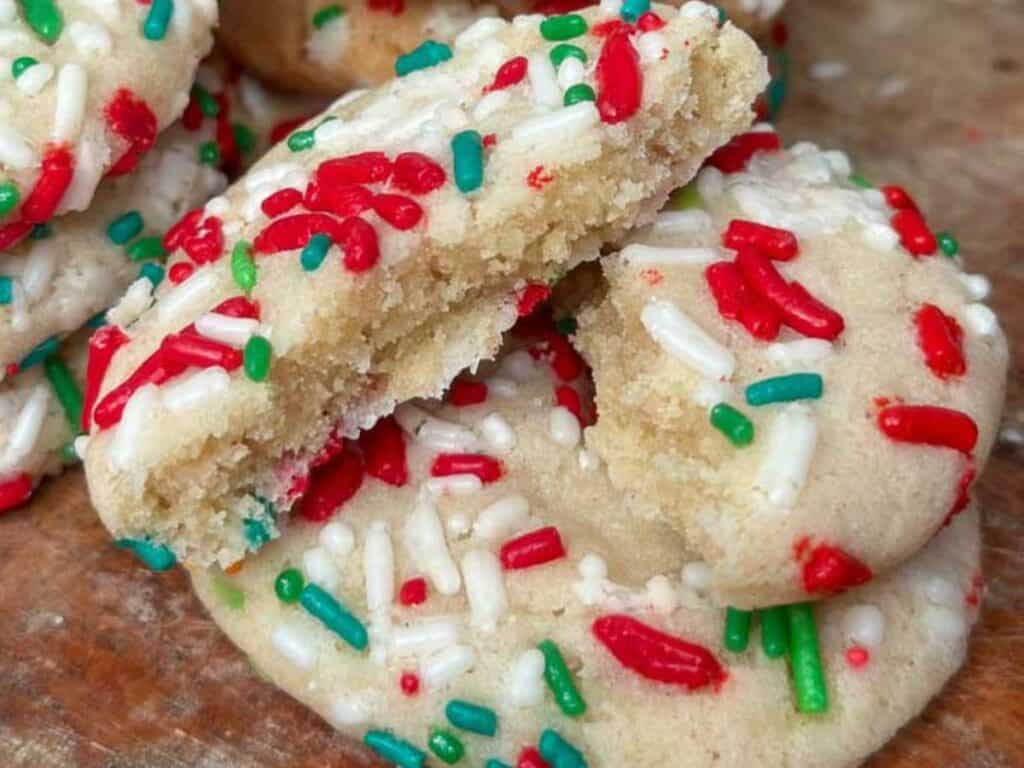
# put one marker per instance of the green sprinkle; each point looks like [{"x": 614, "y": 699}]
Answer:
[
  {"x": 256, "y": 358},
  {"x": 288, "y": 585},
  {"x": 152, "y": 272},
  {"x": 147, "y": 249},
  {"x": 208, "y": 105},
  {"x": 948, "y": 244},
  {"x": 159, "y": 16},
  {"x": 315, "y": 252},
  {"x": 446, "y": 746},
  {"x": 722, "y": 16},
  {"x": 737, "y": 629},
  {"x": 229, "y": 594},
  {"x": 429, "y": 53},
  {"x": 634, "y": 9},
  {"x": 20, "y": 64},
  {"x": 328, "y": 14},
  {"x": 394, "y": 750},
  {"x": 566, "y": 325},
  {"x": 42, "y": 351},
  {"x": 774, "y": 635},
  {"x": 468, "y": 157},
  {"x": 858, "y": 180},
  {"x": 560, "y": 681},
  {"x": 574, "y": 94},
  {"x": 125, "y": 227},
  {"x": 41, "y": 231},
  {"x": 563, "y": 27},
  {"x": 44, "y": 18},
  {"x": 9, "y": 198},
  {"x": 6, "y": 290},
  {"x": 562, "y": 51},
  {"x": 97, "y": 321},
  {"x": 256, "y": 533},
  {"x": 209, "y": 153},
  {"x": 777, "y": 88},
  {"x": 471, "y": 717},
  {"x": 733, "y": 424},
  {"x": 685, "y": 198},
  {"x": 243, "y": 268},
  {"x": 785, "y": 389},
  {"x": 245, "y": 138},
  {"x": 334, "y": 616},
  {"x": 496, "y": 763},
  {"x": 805, "y": 660},
  {"x": 301, "y": 140},
  {"x": 157, "y": 557},
  {"x": 559, "y": 752},
  {"x": 68, "y": 454},
  {"x": 67, "y": 391}
]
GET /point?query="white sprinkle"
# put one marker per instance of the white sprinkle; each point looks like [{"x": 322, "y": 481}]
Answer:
[
  {"x": 611, "y": 7},
  {"x": 652, "y": 46},
  {"x": 693, "y": 221},
  {"x": 270, "y": 175},
  {"x": 27, "y": 427},
  {"x": 787, "y": 460},
  {"x": 72, "y": 88},
  {"x": 504, "y": 517},
  {"x": 941, "y": 591},
  {"x": 800, "y": 352},
  {"x": 558, "y": 127},
  {"x": 81, "y": 446},
  {"x": 192, "y": 390},
  {"x": 34, "y": 79},
  {"x": 478, "y": 31},
  {"x": 697, "y": 10},
  {"x": 453, "y": 485},
  {"x": 441, "y": 668},
  {"x": 424, "y": 540},
  {"x": 15, "y": 152},
  {"x": 524, "y": 685},
  {"x": 830, "y": 69},
  {"x": 661, "y": 595},
  {"x": 709, "y": 393},
  {"x": 650, "y": 255},
  {"x": 710, "y": 184},
  {"x": 434, "y": 433},
  {"x": 682, "y": 338},
  {"x": 348, "y": 710},
  {"x": 326, "y": 44},
  {"x": 135, "y": 423},
  {"x": 233, "y": 331},
  {"x": 946, "y": 624},
  {"x": 501, "y": 387},
  {"x": 8, "y": 11},
  {"x": 543, "y": 81},
  {"x": 592, "y": 567},
  {"x": 135, "y": 301},
  {"x": 570, "y": 72},
  {"x": 882, "y": 237},
  {"x": 458, "y": 525},
  {"x": 864, "y": 625},
  {"x": 338, "y": 539},
  {"x": 564, "y": 427},
  {"x": 981, "y": 320},
  {"x": 294, "y": 643},
  {"x": 189, "y": 298},
  {"x": 977, "y": 286},
  {"x": 696, "y": 576},
  {"x": 588, "y": 460},
  {"x": 519, "y": 366},
  {"x": 378, "y": 568},
  {"x": 497, "y": 433},
  {"x": 39, "y": 269},
  {"x": 424, "y": 637},
  {"x": 485, "y": 588},
  {"x": 491, "y": 103},
  {"x": 320, "y": 569}
]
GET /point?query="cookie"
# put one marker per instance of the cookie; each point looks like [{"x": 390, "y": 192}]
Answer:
[
  {"x": 510, "y": 609},
  {"x": 794, "y": 372},
  {"x": 322, "y": 47},
  {"x": 385, "y": 246},
  {"x": 87, "y": 86}
]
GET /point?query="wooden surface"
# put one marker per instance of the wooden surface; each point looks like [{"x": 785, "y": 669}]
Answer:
[{"x": 105, "y": 664}]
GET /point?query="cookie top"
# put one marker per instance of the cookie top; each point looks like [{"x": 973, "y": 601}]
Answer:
[
  {"x": 87, "y": 86},
  {"x": 385, "y": 246},
  {"x": 792, "y": 373},
  {"x": 512, "y": 605}
]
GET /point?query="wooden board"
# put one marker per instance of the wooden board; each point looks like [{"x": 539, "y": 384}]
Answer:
[{"x": 105, "y": 664}]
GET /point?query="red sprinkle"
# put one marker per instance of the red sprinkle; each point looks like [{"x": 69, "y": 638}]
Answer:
[
  {"x": 534, "y": 548},
  {"x": 285, "y": 127},
  {"x": 340, "y": 199},
  {"x": 384, "y": 450},
  {"x": 155, "y": 369},
  {"x": 649, "y": 21},
  {"x": 530, "y": 297},
  {"x": 914, "y": 233},
  {"x": 417, "y": 174},
  {"x": 180, "y": 272},
  {"x": 610, "y": 27},
  {"x": 530, "y": 758},
  {"x": 15, "y": 492},
  {"x": 569, "y": 398},
  {"x": 205, "y": 243},
  {"x": 358, "y": 239},
  {"x": 333, "y": 445},
  {"x": 773, "y": 242},
  {"x": 188, "y": 350},
  {"x": 556, "y": 349},
  {"x": 410, "y": 683},
  {"x": 281, "y": 201},
  {"x": 361, "y": 168},
  {"x": 489, "y": 140},
  {"x": 510, "y": 73},
  {"x": 734, "y": 156},
  {"x": 58, "y": 168},
  {"x": 103, "y": 344},
  {"x": 829, "y": 570},
  {"x": 559, "y": 7},
  {"x": 929, "y": 425},
  {"x": 538, "y": 178},
  {"x": 192, "y": 117},
  {"x": 487, "y": 468},
  {"x": 13, "y": 233},
  {"x": 181, "y": 229},
  {"x": 736, "y": 301},
  {"x": 857, "y": 657},
  {"x": 897, "y": 197},
  {"x": 394, "y": 7},
  {"x": 941, "y": 340},
  {"x": 413, "y": 591},
  {"x": 293, "y": 232},
  {"x": 399, "y": 211},
  {"x": 619, "y": 79},
  {"x": 130, "y": 118},
  {"x": 464, "y": 392},
  {"x": 331, "y": 486},
  {"x": 963, "y": 492},
  {"x": 656, "y": 655}
]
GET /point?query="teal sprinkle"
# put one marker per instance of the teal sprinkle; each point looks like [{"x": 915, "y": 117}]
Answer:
[
  {"x": 559, "y": 752},
  {"x": 152, "y": 272},
  {"x": 634, "y": 9},
  {"x": 394, "y": 750},
  {"x": 125, "y": 227},
  {"x": 468, "y": 157},
  {"x": 785, "y": 389},
  {"x": 42, "y": 351},
  {"x": 334, "y": 616},
  {"x": 6, "y": 290},
  {"x": 256, "y": 533},
  {"x": 157, "y": 557},
  {"x": 722, "y": 16},
  {"x": 315, "y": 252},
  {"x": 98, "y": 320},
  {"x": 566, "y": 325},
  {"x": 159, "y": 16},
  {"x": 496, "y": 763},
  {"x": 41, "y": 231},
  {"x": 471, "y": 717},
  {"x": 429, "y": 53}
]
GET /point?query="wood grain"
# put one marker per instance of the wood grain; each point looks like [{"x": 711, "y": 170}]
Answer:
[{"x": 104, "y": 664}]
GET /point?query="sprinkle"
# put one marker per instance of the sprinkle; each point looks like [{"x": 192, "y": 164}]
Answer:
[
  {"x": 427, "y": 54},
  {"x": 502, "y": 518},
  {"x": 980, "y": 319},
  {"x": 157, "y": 557},
  {"x": 914, "y": 233},
  {"x": 44, "y": 18},
  {"x": 130, "y": 118},
  {"x": 734, "y": 156},
  {"x": 394, "y": 750},
  {"x": 799, "y": 352},
  {"x": 632, "y": 10},
  {"x": 58, "y": 168},
  {"x": 619, "y": 80},
  {"x": 182, "y": 350},
  {"x": 300, "y": 141},
  {"x": 243, "y": 268},
  {"x": 947, "y": 243},
  {"x": 146, "y": 249},
  {"x": 66, "y": 389},
  {"x": 424, "y": 638},
  {"x": 941, "y": 340},
  {"x": 446, "y": 746},
  {"x": 334, "y": 616},
  {"x": 103, "y": 344},
  {"x": 857, "y": 656},
  {"x": 737, "y": 629},
  {"x": 69, "y": 110},
  {"x": 424, "y": 539},
  {"x": 774, "y": 243},
  {"x": 774, "y": 631},
  {"x": 929, "y": 425},
  {"x": 338, "y": 539},
  {"x": 864, "y": 625},
  {"x": 562, "y": 51},
  {"x": 409, "y": 682},
  {"x": 560, "y": 681},
  {"x": 399, "y": 211},
  {"x": 683, "y": 339},
  {"x": 209, "y": 153},
  {"x": 6, "y": 290},
  {"x": 467, "y": 153},
  {"x": 159, "y": 16},
  {"x": 39, "y": 353},
  {"x": 331, "y": 486},
  {"x": 485, "y": 588},
  {"x": 564, "y": 427},
  {"x": 559, "y": 752},
  {"x": 565, "y": 27},
  {"x": 688, "y": 199},
  {"x": 20, "y": 64},
  {"x": 487, "y": 468},
  {"x": 257, "y": 358},
  {"x": 177, "y": 274},
  {"x": 805, "y": 660},
  {"x": 293, "y": 642},
  {"x": 383, "y": 449},
  {"x": 733, "y": 424},
  {"x": 791, "y": 443},
  {"x": 433, "y": 432},
  {"x": 413, "y": 592},
  {"x": 15, "y": 491},
  {"x": 512, "y": 72},
  {"x": 453, "y": 485},
  {"x": 538, "y": 547},
  {"x": 829, "y": 570},
  {"x": 9, "y": 197},
  {"x": 471, "y": 717},
  {"x": 784, "y": 389},
  {"x": 327, "y": 14},
  {"x": 554, "y": 127},
  {"x": 524, "y": 685},
  {"x": 530, "y": 758},
  {"x": 441, "y": 668},
  {"x": 577, "y": 93},
  {"x": 288, "y": 585},
  {"x": 125, "y": 227},
  {"x": 685, "y": 222}
]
